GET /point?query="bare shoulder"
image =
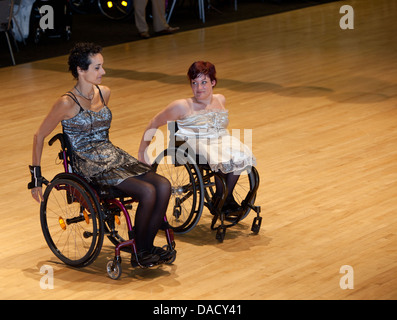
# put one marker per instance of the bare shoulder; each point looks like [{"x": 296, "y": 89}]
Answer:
[
  {"x": 220, "y": 97},
  {"x": 180, "y": 103},
  {"x": 64, "y": 102},
  {"x": 178, "y": 108},
  {"x": 65, "y": 107}
]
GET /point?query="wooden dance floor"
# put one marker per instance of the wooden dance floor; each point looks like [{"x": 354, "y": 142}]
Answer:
[{"x": 322, "y": 104}]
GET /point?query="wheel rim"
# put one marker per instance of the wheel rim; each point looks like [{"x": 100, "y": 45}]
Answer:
[
  {"x": 186, "y": 201},
  {"x": 244, "y": 185},
  {"x": 70, "y": 222},
  {"x": 114, "y": 270}
]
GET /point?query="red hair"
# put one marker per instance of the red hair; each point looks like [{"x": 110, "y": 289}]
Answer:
[{"x": 202, "y": 67}]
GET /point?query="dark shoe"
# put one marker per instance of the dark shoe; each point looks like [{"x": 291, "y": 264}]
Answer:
[
  {"x": 144, "y": 35},
  {"x": 232, "y": 210},
  {"x": 231, "y": 206},
  {"x": 144, "y": 259},
  {"x": 164, "y": 255},
  {"x": 234, "y": 215},
  {"x": 169, "y": 30}
]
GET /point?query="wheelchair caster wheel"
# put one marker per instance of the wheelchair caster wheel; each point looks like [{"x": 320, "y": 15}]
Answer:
[
  {"x": 173, "y": 258},
  {"x": 220, "y": 234},
  {"x": 256, "y": 224},
  {"x": 114, "y": 269},
  {"x": 173, "y": 254}
]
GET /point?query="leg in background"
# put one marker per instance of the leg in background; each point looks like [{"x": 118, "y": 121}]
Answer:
[{"x": 231, "y": 181}]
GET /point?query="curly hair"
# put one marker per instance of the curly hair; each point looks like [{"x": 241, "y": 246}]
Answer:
[{"x": 80, "y": 56}]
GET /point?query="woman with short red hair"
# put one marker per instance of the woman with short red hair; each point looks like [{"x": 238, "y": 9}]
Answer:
[{"x": 202, "y": 121}]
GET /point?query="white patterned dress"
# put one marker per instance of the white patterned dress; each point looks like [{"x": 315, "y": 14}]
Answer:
[{"x": 206, "y": 134}]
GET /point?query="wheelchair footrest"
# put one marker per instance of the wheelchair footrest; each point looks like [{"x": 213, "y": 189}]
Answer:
[
  {"x": 256, "y": 224},
  {"x": 220, "y": 233}
]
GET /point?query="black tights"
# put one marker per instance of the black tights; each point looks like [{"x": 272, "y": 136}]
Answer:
[
  {"x": 231, "y": 180},
  {"x": 153, "y": 193}
]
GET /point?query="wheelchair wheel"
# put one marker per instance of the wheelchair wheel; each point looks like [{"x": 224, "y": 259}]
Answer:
[
  {"x": 71, "y": 221},
  {"x": 245, "y": 190},
  {"x": 114, "y": 269},
  {"x": 115, "y": 223},
  {"x": 116, "y": 9},
  {"x": 187, "y": 195}
]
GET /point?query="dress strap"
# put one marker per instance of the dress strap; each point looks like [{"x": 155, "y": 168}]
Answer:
[
  {"x": 100, "y": 93},
  {"x": 74, "y": 98}
]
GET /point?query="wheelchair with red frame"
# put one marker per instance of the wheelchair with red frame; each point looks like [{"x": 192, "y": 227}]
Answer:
[{"x": 76, "y": 215}]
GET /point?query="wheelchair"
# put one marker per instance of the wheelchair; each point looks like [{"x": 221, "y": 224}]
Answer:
[
  {"x": 193, "y": 188},
  {"x": 76, "y": 215}
]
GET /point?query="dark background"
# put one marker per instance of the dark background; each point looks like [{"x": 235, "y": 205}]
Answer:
[{"x": 95, "y": 27}]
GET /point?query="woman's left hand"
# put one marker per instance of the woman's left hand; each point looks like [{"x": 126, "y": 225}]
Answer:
[{"x": 37, "y": 194}]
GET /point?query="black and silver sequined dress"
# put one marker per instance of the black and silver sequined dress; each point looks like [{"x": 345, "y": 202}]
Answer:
[{"x": 94, "y": 156}]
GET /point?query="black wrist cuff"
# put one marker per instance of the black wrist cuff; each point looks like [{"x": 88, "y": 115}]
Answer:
[{"x": 37, "y": 179}]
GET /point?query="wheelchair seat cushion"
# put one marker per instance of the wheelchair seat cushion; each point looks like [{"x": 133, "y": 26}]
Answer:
[{"x": 108, "y": 192}]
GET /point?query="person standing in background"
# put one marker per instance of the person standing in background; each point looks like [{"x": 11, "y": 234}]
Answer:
[{"x": 160, "y": 24}]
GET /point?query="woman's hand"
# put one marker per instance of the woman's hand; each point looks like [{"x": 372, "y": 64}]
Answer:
[
  {"x": 37, "y": 194},
  {"x": 141, "y": 158}
]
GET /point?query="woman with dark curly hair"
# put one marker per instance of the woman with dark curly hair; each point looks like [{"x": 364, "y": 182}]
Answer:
[{"x": 85, "y": 118}]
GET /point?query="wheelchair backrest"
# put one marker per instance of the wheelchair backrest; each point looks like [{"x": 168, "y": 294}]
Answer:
[
  {"x": 66, "y": 153},
  {"x": 174, "y": 141}
]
